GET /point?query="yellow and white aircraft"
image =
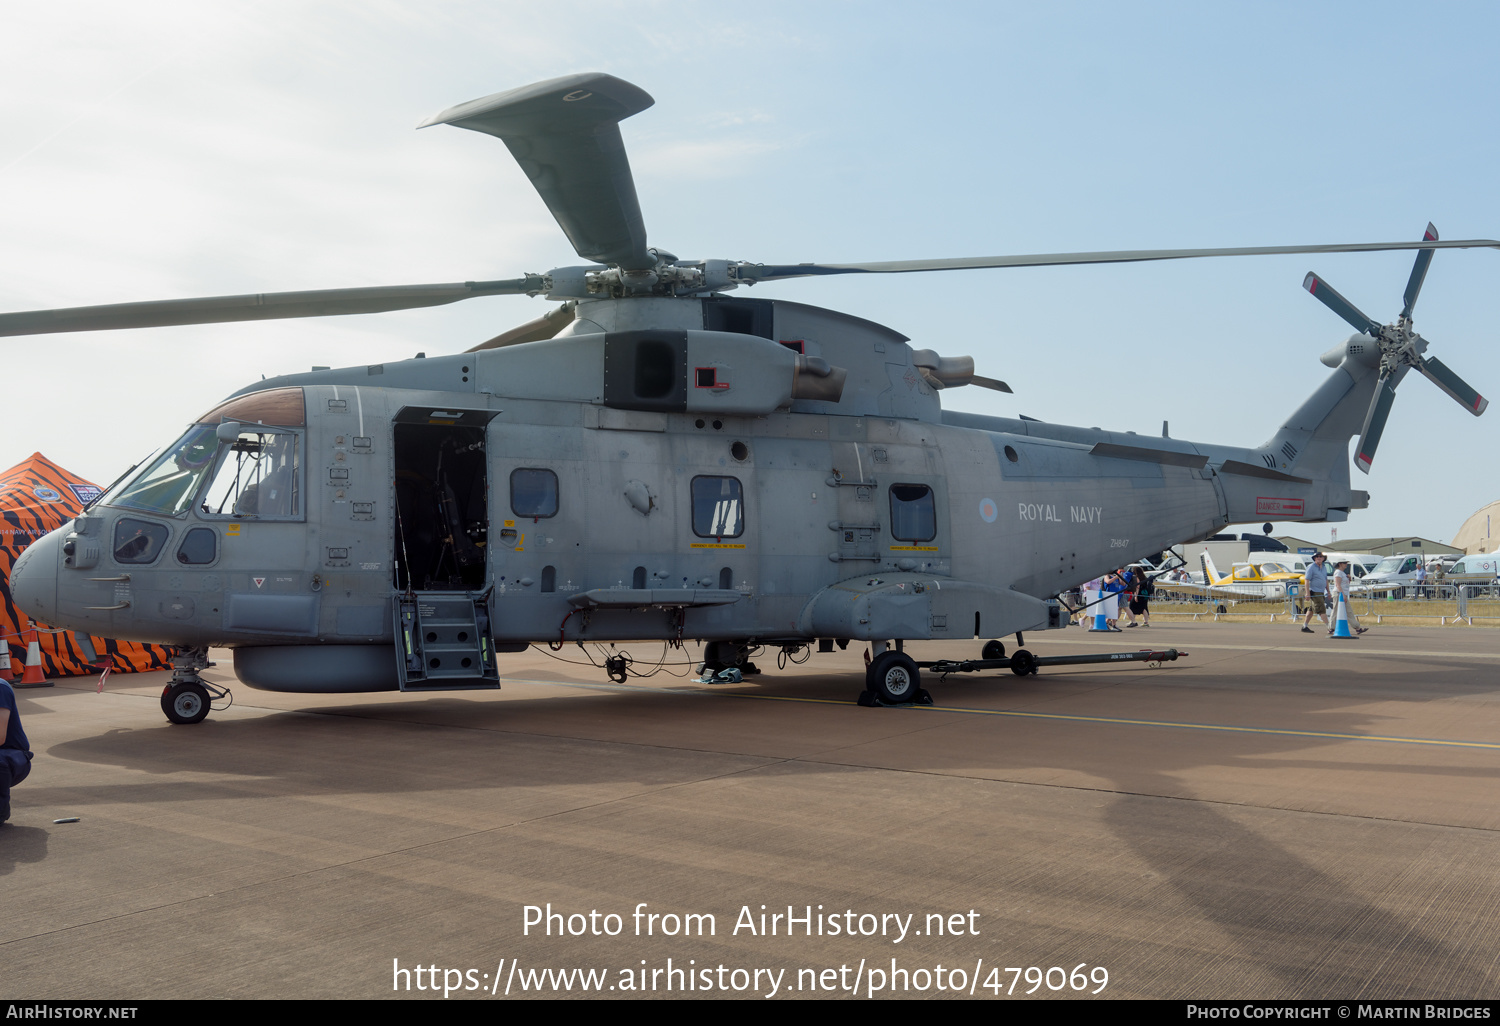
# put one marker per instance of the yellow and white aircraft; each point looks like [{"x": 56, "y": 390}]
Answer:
[{"x": 1266, "y": 579}]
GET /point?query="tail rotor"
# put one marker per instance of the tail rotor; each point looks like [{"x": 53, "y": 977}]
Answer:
[{"x": 1401, "y": 349}]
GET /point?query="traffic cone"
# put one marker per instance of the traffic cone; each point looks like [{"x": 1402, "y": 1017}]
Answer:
[
  {"x": 33, "y": 676},
  {"x": 6, "y": 673},
  {"x": 1341, "y": 620},
  {"x": 1101, "y": 622}
]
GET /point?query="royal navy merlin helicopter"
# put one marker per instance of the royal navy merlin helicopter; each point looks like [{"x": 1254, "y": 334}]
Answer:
[{"x": 655, "y": 458}]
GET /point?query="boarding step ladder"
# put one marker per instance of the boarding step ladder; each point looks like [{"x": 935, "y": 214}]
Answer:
[{"x": 443, "y": 641}]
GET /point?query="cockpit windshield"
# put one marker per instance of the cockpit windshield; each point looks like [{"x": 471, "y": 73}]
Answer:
[
  {"x": 259, "y": 469},
  {"x": 169, "y": 484}
]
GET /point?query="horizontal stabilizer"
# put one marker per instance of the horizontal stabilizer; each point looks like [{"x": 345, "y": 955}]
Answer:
[
  {"x": 1251, "y": 470},
  {"x": 1163, "y": 456}
]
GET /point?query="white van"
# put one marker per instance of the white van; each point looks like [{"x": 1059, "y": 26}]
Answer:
[
  {"x": 1396, "y": 572},
  {"x": 1361, "y": 564},
  {"x": 1297, "y": 563},
  {"x": 1479, "y": 568}
]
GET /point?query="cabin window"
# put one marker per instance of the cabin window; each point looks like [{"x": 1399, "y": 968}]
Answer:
[
  {"x": 199, "y": 546},
  {"x": 257, "y": 476},
  {"x": 913, "y": 514},
  {"x": 138, "y": 542},
  {"x": 533, "y": 493},
  {"x": 718, "y": 507}
]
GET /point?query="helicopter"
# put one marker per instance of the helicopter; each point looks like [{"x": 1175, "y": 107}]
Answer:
[{"x": 655, "y": 458}]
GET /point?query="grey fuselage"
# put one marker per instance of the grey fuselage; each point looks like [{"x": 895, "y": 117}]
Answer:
[{"x": 1003, "y": 514}]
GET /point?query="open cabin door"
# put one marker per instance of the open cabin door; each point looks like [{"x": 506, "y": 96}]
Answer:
[{"x": 442, "y": 612}]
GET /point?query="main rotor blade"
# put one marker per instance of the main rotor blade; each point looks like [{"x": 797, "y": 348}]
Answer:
[
  {"x": 1375, "y": 417},
  {"x": 544, "y": 327},
  {"x": 258, "y": 307},
  {"x": 990, "y": 383},
  {"x": 565, "y": 134},
  {"x": 748, "y": 272},
  {"x": 1418, "y": 273},
  {"x": 1339, "y": 305},
  {"x": 1437, "y": 372}
]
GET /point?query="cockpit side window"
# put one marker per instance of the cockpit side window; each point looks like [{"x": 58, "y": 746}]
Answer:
[
  {"x": 138, "y": 542},
  {"x": 258, "y": 476}
]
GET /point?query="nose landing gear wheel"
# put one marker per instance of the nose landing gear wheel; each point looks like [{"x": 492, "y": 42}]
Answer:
[
  {"x": 992, "y": 650},
  {"x": 185, "y": 703},
  {"x": 893, "y": 677}
]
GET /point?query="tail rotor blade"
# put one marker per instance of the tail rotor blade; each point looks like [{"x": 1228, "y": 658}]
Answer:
[
  {"x": 1380, "y": 409},
  {"x": 1437, "y": 372},
  {"x": 1339, "y": 305},
  {"x": 1418, "y": 272}
]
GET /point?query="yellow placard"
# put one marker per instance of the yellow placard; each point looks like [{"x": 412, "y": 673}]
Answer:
[
  {"x": 714, "y": 545},
  {"x": 914, "y": 548}
]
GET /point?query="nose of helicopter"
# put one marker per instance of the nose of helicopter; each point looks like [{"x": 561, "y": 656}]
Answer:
[{"x": 33, "y": 579}]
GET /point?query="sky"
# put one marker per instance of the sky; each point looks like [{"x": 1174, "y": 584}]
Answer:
[{"x": 161, "y": 150}]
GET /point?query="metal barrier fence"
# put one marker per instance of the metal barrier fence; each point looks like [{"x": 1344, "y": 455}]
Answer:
[
  {"x": 1445, "y": 603},
  {"x": 1194, "y": 602}
]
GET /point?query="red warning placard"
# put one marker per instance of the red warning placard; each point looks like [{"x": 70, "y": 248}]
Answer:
[{"x": 1270, "y": 507}]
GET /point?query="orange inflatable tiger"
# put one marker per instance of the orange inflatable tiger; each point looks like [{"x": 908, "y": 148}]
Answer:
[{"x": 37, "y": 497}]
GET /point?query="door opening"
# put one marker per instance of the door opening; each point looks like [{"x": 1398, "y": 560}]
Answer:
[{"x": 442, "y": 511}]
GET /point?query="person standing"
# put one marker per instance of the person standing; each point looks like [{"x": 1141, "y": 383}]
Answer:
[
  {"x": 15, "y": 753},
  {"x": 1130, "y": 577},
  {"x": 1114, "y": 584},
  {"x": 1315, "y": 591},
  {"x": 1140, "y": 600},
  {"x": 1341, "y": 592}
]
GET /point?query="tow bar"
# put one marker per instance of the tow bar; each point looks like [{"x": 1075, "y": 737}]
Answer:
[{"x": 1021, "y": 662}]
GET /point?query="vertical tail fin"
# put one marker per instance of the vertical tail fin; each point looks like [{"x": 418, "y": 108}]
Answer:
[{"x": 1210, "y": 572}]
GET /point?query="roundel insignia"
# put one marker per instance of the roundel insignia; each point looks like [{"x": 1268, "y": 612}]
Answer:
[
  {"x": 46, "y": 494},
  {"x": 577, "y": 94},
  {"x": 987, "y": 511}
]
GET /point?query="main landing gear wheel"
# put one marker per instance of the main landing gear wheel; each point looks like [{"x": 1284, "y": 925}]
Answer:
[
  {"x": 1022, "y": 662},
  {"x": 893, "y": 677},
  {"x": 992, "y": 650},
  {"x": 185, "y": 703}
]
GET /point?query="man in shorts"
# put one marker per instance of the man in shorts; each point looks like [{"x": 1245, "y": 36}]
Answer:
[{"x": 1315, "y": 591}]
